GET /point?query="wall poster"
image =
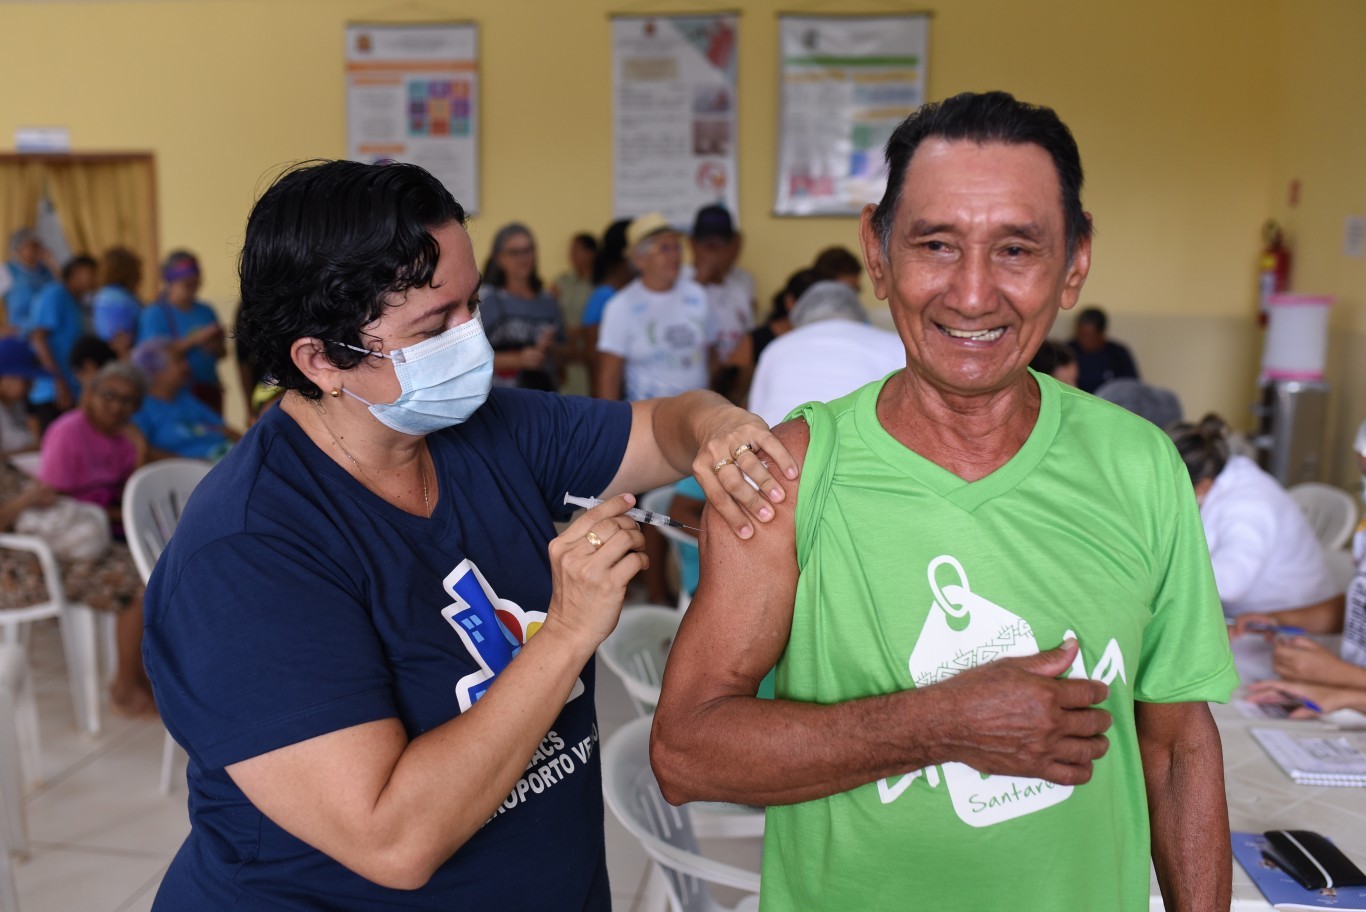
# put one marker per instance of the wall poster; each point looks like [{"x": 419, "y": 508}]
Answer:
[
  {"x": 846, "y": 82},
  {"x": 412, "y": 93},
  {"x": 673, "y": 114}
]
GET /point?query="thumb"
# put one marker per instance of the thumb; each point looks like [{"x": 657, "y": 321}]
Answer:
[{"x": 1054, "y": 661}]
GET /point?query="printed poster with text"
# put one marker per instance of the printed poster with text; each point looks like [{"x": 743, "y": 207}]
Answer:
[
  {"x": 846, "y": 84},
  {"x": 412, "y": 95},
  {"x": 673, "y": 126}
]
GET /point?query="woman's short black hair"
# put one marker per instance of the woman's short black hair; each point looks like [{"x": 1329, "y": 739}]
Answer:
[{"x": 325, "y": 246}]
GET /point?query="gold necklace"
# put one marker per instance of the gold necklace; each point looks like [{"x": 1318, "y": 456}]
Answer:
[{"x": 365, "y": 476}]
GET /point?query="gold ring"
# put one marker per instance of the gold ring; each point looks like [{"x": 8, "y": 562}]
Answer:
[
  {"x": 743, "y": 448},
  {"x": 721, "y": 465},
  {"x": 594, "y": 539}
]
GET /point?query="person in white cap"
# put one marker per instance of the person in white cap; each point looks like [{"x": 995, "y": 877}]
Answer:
[{"x": 658, "y": 333}]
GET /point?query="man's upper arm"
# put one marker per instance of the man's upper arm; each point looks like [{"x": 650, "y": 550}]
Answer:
[{"x": 738, "y": 624}]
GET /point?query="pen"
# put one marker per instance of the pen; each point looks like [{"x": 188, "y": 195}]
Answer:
[
  {"x": 642, "y": 516},
  {"x": 1279, "y": 629},
  {"x": 1310, "y": 705}
]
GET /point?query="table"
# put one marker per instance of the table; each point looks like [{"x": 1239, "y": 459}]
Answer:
[{"x": 1262, "y": 797}]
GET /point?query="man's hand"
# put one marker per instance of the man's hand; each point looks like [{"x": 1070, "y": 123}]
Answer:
[{"x": 1014, "y": 717}]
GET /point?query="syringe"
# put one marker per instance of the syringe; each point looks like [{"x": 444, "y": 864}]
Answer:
[{"x": 642, "y": 516}]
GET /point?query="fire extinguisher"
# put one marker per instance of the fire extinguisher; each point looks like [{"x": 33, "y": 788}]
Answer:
[{"x": 1273, "y": 266}]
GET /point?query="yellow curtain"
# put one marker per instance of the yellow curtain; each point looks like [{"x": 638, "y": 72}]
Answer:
[{"x": 101, "y": 203}]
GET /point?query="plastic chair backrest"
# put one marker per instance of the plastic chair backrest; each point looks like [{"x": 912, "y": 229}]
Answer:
[
  {"x": 153, "y": 500},
  {"x": 638, "y": 649},
  {"x": 664, "y": 831},
  {"x": 1331, "y": 511}
]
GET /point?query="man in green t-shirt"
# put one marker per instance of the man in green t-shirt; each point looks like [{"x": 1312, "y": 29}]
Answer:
[{"x": 927, "y": 749}]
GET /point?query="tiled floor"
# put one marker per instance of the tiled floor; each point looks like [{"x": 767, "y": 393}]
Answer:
[{"x": 101, "y": 835}]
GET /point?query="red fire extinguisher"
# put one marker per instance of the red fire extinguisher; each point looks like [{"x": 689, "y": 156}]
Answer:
[{"x": 1273, "y": 266}]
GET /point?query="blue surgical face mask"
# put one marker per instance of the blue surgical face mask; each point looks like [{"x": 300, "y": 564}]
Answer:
[{"x": 442, "y": 381}]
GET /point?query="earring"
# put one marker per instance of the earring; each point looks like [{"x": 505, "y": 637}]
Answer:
[{"x": 335, "y": 392}]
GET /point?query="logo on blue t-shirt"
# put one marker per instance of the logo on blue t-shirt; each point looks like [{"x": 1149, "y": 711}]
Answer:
[{"x": 494, "y": 630}]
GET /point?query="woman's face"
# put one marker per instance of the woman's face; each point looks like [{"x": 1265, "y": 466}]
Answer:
[
  {"x": 418, "y": 314},
  {"x": 517, "y": 257},
  {"x": 112, "y": 403},
  {"x": 182, "y": 292}
]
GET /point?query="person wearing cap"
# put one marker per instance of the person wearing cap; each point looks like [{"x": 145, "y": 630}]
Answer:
[
  {"x": 116, "y": 307},
  {"x": 28, "y": 272},
  {"x": 832, "y": 350},
  {"x": 55, "y": 324},
  {"x": 173, "y": 420},
  {"x": 658, "y": 334},
  {"x": 19, "y": 368},
  {"x": 715, "y": 246},
  {"x": 191, "y": 325}
]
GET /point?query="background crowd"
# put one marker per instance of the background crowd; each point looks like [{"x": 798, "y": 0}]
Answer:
[{"x": 95, "y": 382}]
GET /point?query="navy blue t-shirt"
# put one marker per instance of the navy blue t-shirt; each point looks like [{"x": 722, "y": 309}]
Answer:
[{"x": 293, "y": 602}]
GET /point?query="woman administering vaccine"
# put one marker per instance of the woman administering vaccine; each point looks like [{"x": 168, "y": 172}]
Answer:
[{"x": 365, "y": 631}]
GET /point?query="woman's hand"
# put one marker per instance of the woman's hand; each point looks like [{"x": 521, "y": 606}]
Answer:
[
  {"x": 1301, "y": 659},
  {"x": 734, "y": 441},
  {"x": 1326, "y": 698},
  {"x": 591, "y": 563},
  {"x": 1243, "y": 621}
]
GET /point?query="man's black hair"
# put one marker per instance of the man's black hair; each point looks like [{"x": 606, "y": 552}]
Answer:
[
  {"x": 1095, "y": 317},
  {"x": 985, "y": 118},
  {"x": 80, "y": 261},
  {"x": 325, "y": 246}
]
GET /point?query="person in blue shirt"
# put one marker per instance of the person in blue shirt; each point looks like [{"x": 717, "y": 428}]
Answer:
[
  {"x": 174, "y": 422},
  {"x": 116, "y": 307},
  {"x": 29, "y": 273},
  {"x": 365, "y": 631},
  {"x": 191, "y": 325},
  {"x": 55, "y": 323},
  {"x": 612, "y": 271}
]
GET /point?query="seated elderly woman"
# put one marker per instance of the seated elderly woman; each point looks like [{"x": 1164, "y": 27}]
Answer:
[
  {"x": 87, "y": 454},
  {"x": 365, "y": 632},
  {"x": 1265, "y": 556},
  {"x": 174, "y": 420}
]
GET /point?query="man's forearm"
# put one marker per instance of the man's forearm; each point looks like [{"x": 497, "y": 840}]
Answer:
[{"x": 1188, "y": 814}]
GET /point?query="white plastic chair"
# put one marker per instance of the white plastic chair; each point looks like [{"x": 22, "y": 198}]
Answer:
[
  {"x": 657, "y": 501},
  {"x": 153, "y": 500},
  {"x": 1331, "y": 511},
  {"x": 665, "y": 832},
  {"x": 18, "y": 727},
  {"x": 638, "y": 649},
  {"x": 83, "y": 629},
  {"x": 637, "y": 652}
]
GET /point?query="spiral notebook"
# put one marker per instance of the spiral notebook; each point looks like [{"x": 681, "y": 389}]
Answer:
[{"x": 1335, "y": 760}]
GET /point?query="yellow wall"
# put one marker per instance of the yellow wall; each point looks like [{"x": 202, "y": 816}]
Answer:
[
  {"x": 1168, "y": 99},
  {"x": 1320, "y": 140}
]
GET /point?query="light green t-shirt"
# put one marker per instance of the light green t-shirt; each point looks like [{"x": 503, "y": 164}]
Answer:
[{"x": 910, "y": 575}]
